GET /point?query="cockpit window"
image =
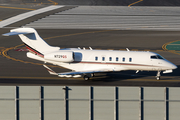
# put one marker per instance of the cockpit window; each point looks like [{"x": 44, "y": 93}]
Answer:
[
  {"x": 156, "y": 57},
  {"x": 159, "y": 57},
  {"x": 153, "y": 57}
]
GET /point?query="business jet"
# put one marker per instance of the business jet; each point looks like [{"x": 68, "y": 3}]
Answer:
[{"x": 85, "y": 62}]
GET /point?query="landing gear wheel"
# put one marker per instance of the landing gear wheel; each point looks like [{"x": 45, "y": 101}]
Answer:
[
  {"x": 86, "y": 78},
  {"x": 92, "y": 74},
  {"x": 158, "y": 78}
]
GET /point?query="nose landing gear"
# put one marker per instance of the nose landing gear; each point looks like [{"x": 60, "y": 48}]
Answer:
[{"x": 158, "y": 75}]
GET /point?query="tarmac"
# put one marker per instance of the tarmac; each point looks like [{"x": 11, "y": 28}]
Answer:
[
  {"x": 96, "y": 2},
  {"x": 17, "y": 69}
]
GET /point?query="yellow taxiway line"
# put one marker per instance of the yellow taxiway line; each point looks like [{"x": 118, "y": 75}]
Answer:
[
  {"x": 164, "y": 47},
  {"x": 55, "y": 3},
  {"x": 51, "y": 2},
  {"x": 134, "y": 3},
  {"x": 16, "y": 8}
]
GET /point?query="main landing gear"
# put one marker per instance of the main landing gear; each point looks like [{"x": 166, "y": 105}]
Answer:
[
  {"x": 88, "y": 76},
  {"x": 158, "y": 75}
]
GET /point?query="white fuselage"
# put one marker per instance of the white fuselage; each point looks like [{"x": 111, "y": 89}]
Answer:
[{"x": 110, "y": 60}]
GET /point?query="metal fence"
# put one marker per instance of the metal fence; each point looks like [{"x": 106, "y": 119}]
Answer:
[{"x": 89, "y": 103}]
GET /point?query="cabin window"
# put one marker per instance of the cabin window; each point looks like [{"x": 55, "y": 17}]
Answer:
[
  {"x": 117, "y": 59},
  {"x": 96, "y": 58},
  {"x": 103, "y": 58},
  {"x": 110, "y": 58},
  {"x": 130, "y": 59},
  {"x": 123, "y": 59}
]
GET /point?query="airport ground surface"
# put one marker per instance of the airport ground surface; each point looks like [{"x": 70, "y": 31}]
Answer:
[
  {"x": 17, "y": 69},
  {"x": 97, "y": 2}
]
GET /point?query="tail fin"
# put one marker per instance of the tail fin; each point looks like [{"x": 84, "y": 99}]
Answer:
[{"x": 32, "y": 40}]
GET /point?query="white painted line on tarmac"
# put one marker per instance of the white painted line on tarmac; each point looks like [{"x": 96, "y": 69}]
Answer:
[{"x": 27, "y": 15}]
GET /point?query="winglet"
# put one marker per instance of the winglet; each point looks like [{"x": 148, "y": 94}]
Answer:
[
  {"x": 50, "y": 70},
  {"x": 127, "y": 49}
]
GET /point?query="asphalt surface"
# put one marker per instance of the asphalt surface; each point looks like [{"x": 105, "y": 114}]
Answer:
[
  {"x": 7, "y": 10},
  {"x": 17, "y": 69},
  {"x": 97, "y": 2},
  {"x": 112, "y": 17}
]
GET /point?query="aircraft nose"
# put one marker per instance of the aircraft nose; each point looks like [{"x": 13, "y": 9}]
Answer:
[{"x": 173, "y": 66}]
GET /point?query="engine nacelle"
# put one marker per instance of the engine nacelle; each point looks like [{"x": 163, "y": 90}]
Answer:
[{"x": 61, "y": 56}]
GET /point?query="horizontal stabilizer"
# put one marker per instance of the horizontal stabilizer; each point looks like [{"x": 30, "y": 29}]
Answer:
[{"x": 16, "y": 33}]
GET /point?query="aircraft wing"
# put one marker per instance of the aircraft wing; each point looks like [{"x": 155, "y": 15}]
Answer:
[
  {"x": 50, "y": 70},
  {"x": 83, "y": 72},
  {"x": 76, "y": 73}
]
